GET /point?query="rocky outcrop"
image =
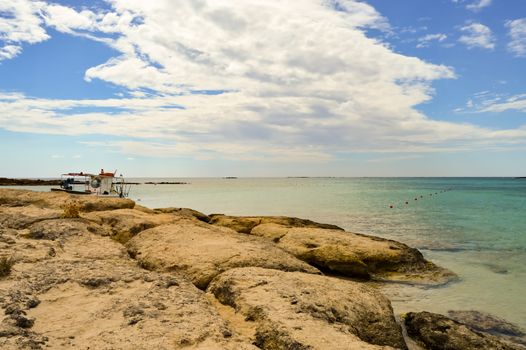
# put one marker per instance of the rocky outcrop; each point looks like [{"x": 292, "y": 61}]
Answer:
[
  {"x": 201, "y": 251},
  {"x": 438, "y": 332},
  {"x": 21, "y": 217},
  {"x": 58, "y": 200},
  {"x": 484, "y": 322},
  {"x": 184, "y": 212},
  {"x": 293, "y": 310},
  {"x": 124, "y": 224},
  {"x": 72, "y": 288},
  {"x": 245, "y": 224},
  {"x": 354, "y": 255}
]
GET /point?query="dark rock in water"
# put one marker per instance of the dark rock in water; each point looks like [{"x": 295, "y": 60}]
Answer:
[
  {"x": 438, "y": 332},
  {"x": 484, "y": 322},
  {"x": 497, "y": 269}
]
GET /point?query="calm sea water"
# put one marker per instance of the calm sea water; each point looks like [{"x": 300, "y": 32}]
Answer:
[{"x": 477, "y": 228}]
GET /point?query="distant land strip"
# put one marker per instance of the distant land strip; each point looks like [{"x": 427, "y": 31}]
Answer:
[{"x": 4, "y": 181}]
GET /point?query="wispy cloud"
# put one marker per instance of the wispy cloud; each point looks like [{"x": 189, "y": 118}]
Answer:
[
  {"x": 517, "y": 34},
  {"x": 490, "y": 102},
  {"x": 426, "y": 40},
  {"x": 477, "y": 35},
  {"x": 474, "y": 5},
  {"x": 516, "y": 102},
  {"x": 478, "y": 5}
]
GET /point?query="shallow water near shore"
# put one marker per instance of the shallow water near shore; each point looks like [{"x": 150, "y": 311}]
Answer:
[{"x": 473, "y": 226}]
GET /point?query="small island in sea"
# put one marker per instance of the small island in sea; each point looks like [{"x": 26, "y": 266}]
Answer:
[{"x": 91, "y": 272}]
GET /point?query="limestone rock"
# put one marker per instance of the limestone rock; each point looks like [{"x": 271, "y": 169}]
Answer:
[
  {"x": 244, "y": 224},
  {"x": 483, "y": 322},
  {"x": 123, "y": 224},
  {"x": 294, "y": 310},
  {"x": 354, "y": 255},
  {"x": 437, "y": 332},
  {"x": 57, "y": 200},
  {"x": 61, "y": 228},
  {"x": 184, "y": 212},
  {"x": 88, "y": 293},
  {"x": 22, "y": 217},
  {"x": 201, "y": 251}
]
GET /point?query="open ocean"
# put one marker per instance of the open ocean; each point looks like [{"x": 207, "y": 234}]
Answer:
[{"x": 477, "y": 228}]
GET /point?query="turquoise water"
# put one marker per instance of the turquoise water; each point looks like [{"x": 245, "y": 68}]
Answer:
[{"x": 473, "y": 226}]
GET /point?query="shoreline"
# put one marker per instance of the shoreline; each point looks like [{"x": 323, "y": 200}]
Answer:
[{"x": 135, "y": 240}]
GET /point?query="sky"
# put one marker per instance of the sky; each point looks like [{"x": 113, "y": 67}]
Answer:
[{"x": 206, "y": 88}]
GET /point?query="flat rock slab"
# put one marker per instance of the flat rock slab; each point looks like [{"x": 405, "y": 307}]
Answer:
[
  {"x": 245, "y": 224},
  {"x": 438, "y": 332},
  {"x": 294, "y": 310},
  {"x": 202, "y": 251},
  {"x": 57, "y": 200},
  {"x": 124, "y": 224},
  {"x": 22, "y": 217},
  {"x": 354, "y": 255}
]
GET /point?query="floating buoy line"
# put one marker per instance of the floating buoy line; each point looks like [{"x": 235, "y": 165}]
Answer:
[{"x": 421, "y": 197}]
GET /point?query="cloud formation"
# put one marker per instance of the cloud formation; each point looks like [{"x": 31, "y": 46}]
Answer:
[
  {"x": 477, "y": 35},
  {"x": 19, "y": 23},
  {"x": 249, "y": 80},
  {"x": 517, "y": 33},
  {"x": 426, "y": 40},
  {"x": 478, "y": 5}
]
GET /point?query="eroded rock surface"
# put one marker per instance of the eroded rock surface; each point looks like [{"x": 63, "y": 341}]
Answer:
[
  {"x": 294, "y": 310},
  {"x": 57, "y": 200},
  {"x": 124, "y": 224},
  {"x": 438, "y": 332},
  {"x": 484, "y": 322},
  {"x": 245, "y": 224},
  {"x": 73, "y": 288},
  {"x": 354, "y": 255},
  {"x": 201, "y": 251}
]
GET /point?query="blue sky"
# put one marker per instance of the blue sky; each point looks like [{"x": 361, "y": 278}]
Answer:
[{"x": 249, "y": 88}]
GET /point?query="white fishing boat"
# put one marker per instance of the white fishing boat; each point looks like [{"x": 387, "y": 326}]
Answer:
[{"x": 103, "y": 184}]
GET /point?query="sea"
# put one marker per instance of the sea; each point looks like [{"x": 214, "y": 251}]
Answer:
[{"x": 475, "y": 227}]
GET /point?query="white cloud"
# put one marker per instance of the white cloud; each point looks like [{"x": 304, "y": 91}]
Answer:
[
  {"x": 478, "y": 5},
  {"x": 491, "y": 102},
  {"x": 20, "y": 23},
  {"x": 517, "y": 33},
  {"x": 9, "y": 51},
  {"x": 426, "y": 40},
  {"x": 477, "y": 35},
  {"x": 517, "y": 103},
  {"x": 301, "y": 81}
]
